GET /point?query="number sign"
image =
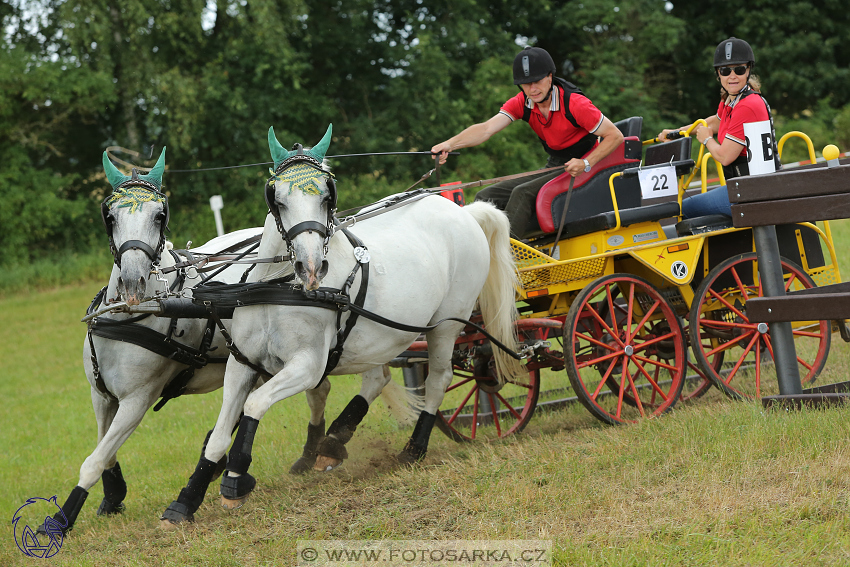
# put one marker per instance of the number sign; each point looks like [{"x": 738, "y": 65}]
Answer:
[
  {"x": 658, "y": 182},
  {"x": 759, "y": 147}
]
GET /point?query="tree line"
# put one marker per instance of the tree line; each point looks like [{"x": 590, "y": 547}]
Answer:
[{"x": 208, "y": 77}]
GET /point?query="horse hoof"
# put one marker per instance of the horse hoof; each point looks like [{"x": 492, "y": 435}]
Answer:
[
  {"x": 229, "y": 504},
  {"x": 326, "y": 464},
  {"x": 107, "y": 508},
  {"x": 168, "y": 525},
  {"x": 410, "y": 456},
  {"x": 302, "y": 465},
  {"x": 236, "y": 489},
  {"x": 175, "y": 515}
]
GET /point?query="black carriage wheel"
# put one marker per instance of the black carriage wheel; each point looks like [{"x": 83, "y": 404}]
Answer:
[
  {"x": 639, "y": 358},
  {"x": 472, "y": 395},
  {"x": 719, "y": 323}
]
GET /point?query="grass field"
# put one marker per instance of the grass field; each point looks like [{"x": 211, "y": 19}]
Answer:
[{"x": 714, "y": 483}]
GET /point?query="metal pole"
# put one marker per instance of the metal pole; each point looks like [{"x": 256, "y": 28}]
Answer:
[
  {"x": 781, "y": 334},
  {"x": 414, "y": 378}
]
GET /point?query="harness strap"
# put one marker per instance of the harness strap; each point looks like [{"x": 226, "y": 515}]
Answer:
[
  {"x": 342, "y": 333},
  {"x": 98, "y": 379},
  {"x": 147, "y": 338},
  {"x": 260, "y": 293},
  {"x": 307, "y": 226},
  {"x": 177, "y": 386},
  {"x": 234, "y": 350}
]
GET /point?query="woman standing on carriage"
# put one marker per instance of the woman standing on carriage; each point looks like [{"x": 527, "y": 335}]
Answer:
[
  {"x": 741, "y": 103},
  {"x": 567, "y": 123}
]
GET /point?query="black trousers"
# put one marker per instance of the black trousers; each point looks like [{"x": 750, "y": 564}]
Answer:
[{"x": 518, "y": 198}]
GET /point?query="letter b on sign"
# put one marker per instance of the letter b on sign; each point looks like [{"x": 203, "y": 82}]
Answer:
[{"x": 759, "y": 161}]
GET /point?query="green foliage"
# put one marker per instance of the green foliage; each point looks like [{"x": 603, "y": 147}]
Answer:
[{"x": 207, "y": 79}]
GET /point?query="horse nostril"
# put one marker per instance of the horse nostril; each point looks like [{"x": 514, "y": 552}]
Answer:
[{"x": 142, "y": 281}]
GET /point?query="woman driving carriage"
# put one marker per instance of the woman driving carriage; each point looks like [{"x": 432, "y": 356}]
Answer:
[
  {"x": 733, "y": 64},
  {"x": 567, "y": 123}
]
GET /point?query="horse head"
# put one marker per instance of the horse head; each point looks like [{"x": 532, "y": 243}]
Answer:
[
  {"x": 135, "y": 215},
  {"x": 301, "y": 195}
]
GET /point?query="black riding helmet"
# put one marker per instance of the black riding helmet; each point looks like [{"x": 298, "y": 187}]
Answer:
[
  {"x": 531, "y": 65},
  {"x": 733, "y": 51}
]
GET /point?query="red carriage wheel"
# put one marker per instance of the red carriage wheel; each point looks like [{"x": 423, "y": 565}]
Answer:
[
  {"x": 477, "y": 406},
  {"x": 696, "y": 382},
  {"x": 625, "y": 349},
  {"x": 719, "y": 324}
]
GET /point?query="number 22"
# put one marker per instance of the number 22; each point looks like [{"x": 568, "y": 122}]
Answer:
[{"x": 663, "y": 179}]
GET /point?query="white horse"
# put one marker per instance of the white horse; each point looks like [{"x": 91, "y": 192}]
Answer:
[
  {"x": 126, "y": 378},
  {"x": 426, "y": 261}
]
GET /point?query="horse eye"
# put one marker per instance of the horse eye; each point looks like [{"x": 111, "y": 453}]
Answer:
[{"x": 160, "y": 217}]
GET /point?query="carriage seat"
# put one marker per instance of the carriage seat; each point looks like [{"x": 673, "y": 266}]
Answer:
[
  {"x": 630, "y": 126},
  {"x": 591, "y": 194},
  {"x": 628, "y": 217},
  {"x": 707, "y": 223}
]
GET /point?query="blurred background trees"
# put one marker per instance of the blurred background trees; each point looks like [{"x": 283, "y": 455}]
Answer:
[{"x": 208, "y": 77}]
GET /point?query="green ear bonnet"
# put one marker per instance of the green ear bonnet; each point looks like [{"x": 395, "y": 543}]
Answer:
[{"x": 301, "y": 168}]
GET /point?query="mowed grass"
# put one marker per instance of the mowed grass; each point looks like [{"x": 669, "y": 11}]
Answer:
[{"x": 712, "y": 483}]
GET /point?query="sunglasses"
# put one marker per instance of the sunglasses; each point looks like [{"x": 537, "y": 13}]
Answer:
[{"x": 740, "y": 70}]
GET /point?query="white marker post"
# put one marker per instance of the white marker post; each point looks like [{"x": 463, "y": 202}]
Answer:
[{"x": 216, "y": 204}]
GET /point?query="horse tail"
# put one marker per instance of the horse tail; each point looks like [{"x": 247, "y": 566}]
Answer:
[
  {"x": 497, "y": 299},
  {"x": 403, "y": 403}
]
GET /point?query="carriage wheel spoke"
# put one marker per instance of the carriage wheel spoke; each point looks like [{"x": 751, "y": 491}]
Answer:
[
  {"x": 718, "y": 324},
  {"x": 758, "y": 369},
  {"x": 741, "y": 287},
  {"x": 730, "y": 344},
  {"x": 741, "y": 359},
  {"x": 463, "y": 403},
  {"x": 630, "y": 312},
  {"x": 640, "y": 325},
  {"x": 475, "y": 413},
  {"x": 509, "y": 406},
  {"x": 634, "y": 390},
  {"x": 790, "y": 281},
  {"x": 603, "y": 381},
  {"x": 495, "y": 414},
  {"x": 595, "y": 341},
  {"x": 728, "y": 305},
  {"x": 598, "y": 360},
  {"x": 459, "y": 384},
  {"x": 650, "y": 342},
  {"x": 603, "y": 323},
  {"x": 657, "y": 363},
  {"x": 654, "y": 383},
  {"x": 622, "y": 388}
]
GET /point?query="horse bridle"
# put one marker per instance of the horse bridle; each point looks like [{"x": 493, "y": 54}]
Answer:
[
  {"x": 327, "y": 229},
  {"x": 150, "y": 252}
]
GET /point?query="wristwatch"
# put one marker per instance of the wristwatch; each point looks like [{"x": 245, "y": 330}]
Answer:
[{"x": 586, "y": 165}]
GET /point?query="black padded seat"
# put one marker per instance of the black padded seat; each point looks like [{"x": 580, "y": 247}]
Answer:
[
  {"x": 605, "y": 221},
  {"x": 630, "y": 126},
  {"x": 707, "y": 223}
]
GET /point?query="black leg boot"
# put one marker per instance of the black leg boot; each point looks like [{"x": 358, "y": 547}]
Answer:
[
  {"x": 417, "y": 445},
  {"x": 315, "y": 434},
  {"x": 183, "y": 509},
  {"x": 343, "y": 428},
  {"x": 114, "y": 491},
  {"x": 65, "y": 519},
  {"x": 237, "y": 488}
]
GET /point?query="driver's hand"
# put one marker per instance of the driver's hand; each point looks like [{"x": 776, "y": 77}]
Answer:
[{"x": 443, "y": 150}]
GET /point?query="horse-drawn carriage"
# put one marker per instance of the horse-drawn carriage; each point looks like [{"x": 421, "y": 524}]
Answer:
[
  {"x": 618, "y": 289},
  {"x": 617, "y": 303}
]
